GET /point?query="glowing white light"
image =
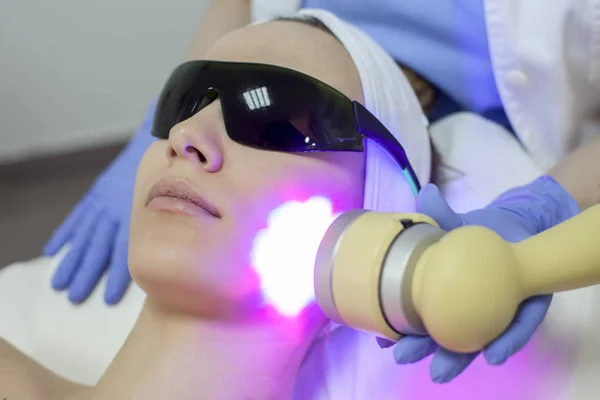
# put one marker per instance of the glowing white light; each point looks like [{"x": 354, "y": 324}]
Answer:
[{"x": 284, "y": 253}]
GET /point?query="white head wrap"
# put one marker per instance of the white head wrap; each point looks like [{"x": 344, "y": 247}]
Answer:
[{"x": 390, "y": 97}]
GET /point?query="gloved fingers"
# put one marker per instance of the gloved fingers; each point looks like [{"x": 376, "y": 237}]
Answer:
[
  {"x": 66, "y": 229},
  {"x": 384, "y": 343},
  {"x": 432, "y": 203},
  {"x": 119, "y": 277},
  {"x": 411, "y": 349},
  {"x": 529, "y": 316},
  {"x": 447, "y": 365},
  {"x": 94, "y": 261},
  {"x": 69, "y": 264}
]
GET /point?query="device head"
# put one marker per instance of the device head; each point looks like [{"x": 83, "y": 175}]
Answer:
[{"x": 364, "y": 267}]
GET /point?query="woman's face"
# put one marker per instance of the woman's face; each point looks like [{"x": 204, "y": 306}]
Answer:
[{"x": 201, "y": 263}]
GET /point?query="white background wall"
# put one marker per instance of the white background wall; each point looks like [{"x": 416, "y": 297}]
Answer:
[{"x": 77, "y": 73}]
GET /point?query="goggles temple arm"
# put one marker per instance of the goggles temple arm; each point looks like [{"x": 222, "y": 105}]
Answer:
[{"x": 370, "y": 126}]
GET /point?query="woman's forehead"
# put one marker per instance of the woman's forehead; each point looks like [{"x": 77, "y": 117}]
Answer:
[{"x": 292, "y": 45}]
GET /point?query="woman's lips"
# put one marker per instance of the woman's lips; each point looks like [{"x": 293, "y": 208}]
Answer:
[{"x": 179, "y": 197}]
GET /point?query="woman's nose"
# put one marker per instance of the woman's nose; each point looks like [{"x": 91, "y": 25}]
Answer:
[{"x": 197, "y": 140}]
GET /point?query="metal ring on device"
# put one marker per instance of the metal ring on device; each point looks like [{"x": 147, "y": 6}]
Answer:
[
  {"x": 397, "y": 273},
  {"x": 324, "y": 264}
]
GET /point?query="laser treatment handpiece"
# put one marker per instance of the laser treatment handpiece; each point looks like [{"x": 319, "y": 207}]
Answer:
[{"x": 393, "y": 274}]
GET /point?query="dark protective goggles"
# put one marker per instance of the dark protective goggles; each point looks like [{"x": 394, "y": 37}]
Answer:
[{"x": 274, "y": 108}]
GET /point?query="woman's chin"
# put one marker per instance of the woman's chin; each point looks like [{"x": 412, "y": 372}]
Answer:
[{"x": 177, "y": 275}]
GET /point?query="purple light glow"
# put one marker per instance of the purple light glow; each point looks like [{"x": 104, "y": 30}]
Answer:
[{"x": 283, "y": 254}]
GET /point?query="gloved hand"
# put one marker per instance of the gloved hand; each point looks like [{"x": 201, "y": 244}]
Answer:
[
  {"x": 515, "y": 215},
  {"x": 98, "y": 228}
]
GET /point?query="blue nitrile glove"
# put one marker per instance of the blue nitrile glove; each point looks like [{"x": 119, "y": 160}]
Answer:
[
  {"x": 98, "y": 227},
  {"x": 515, "y": 215}
]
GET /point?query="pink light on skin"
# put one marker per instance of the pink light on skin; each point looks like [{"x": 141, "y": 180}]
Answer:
[{"x": 283, "y": 254}]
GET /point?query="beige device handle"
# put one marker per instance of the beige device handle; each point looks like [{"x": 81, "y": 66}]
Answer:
[{"x": 466, "y": 288}]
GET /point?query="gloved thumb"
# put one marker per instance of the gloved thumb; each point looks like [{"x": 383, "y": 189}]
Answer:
[{"x": 431, "y": 202}]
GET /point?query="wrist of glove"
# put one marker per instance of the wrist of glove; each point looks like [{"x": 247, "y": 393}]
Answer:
[
  {"x": 138, "y": 144},
  {"x": 515, "y": 215},
  {"x": 540, "y": 204}
]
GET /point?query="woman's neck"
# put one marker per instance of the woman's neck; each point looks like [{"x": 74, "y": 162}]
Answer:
[{"x": 169, "y": 355}]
